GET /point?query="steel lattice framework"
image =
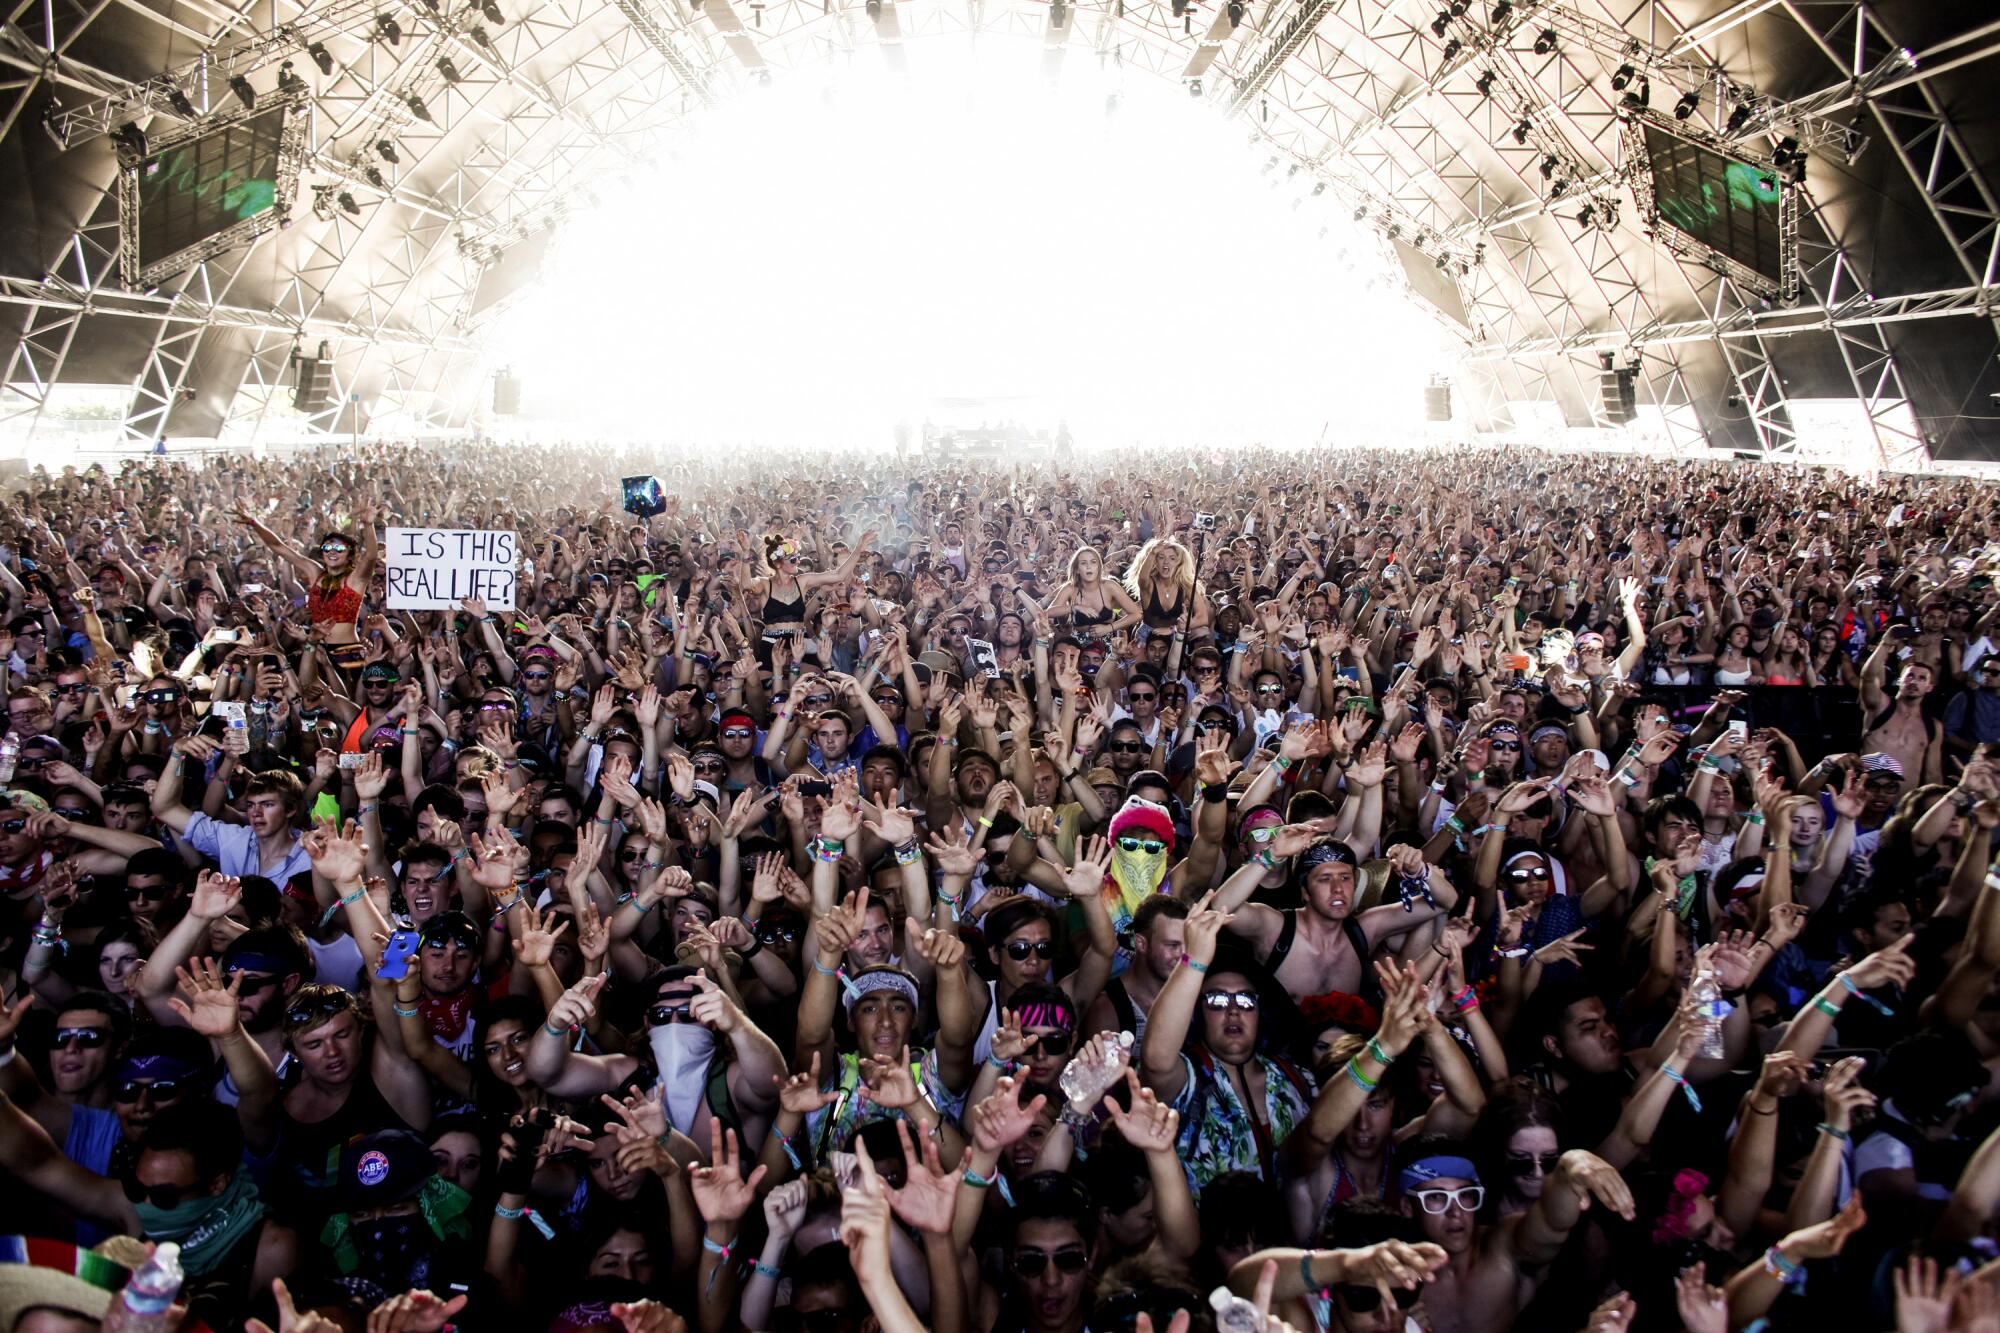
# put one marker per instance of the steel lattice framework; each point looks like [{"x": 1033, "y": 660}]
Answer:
[{"x": 1481, "y": 128}]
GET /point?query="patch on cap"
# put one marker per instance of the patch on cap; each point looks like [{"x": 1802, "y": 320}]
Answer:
[{"x": 373, "y": 1168}]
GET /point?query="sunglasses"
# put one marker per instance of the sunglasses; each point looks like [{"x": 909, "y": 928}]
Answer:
[
  {"x": 1127, "y": 747},
  {"x": 777, "y": 934},
  {"x": 12, "y": 825},
  {"x": 1523, "y": 876},
  {"x": 1221, "y": 1001},
  {"x": 1141, "y": 698},
  {"x": 1018, "y": 950},
  {"x": 1524, "y": 1163},
  {"x": 664, "y": 1014},
  {"x": 313, "y": 1011},
  {"x": 1056, "y": 1042},
  {"x": 887, "y": 700},
  {"x": 536, "y": 675},
  {"x": 496, "y": 706},
  {"x": 334, "y": 548},
  {"x": 83, "y": 687},
  {"x": 818, "y": 700},
  {"x": 1207, "y": 671},
  {"x": 127, "y": 1091},
  {"x": 73, "y": 814},
  {"x": 1270, "y": 689},
  {"x": 738, "y": 733},
  {"x": 632, "y": 855},
  {"x": 1032, "y": 1264},
  {"x": 86, "y": 1039},
  {"x": 1363, "y": 1300},
  {"x": 1467, "y": 1197},
  {"x": 1501, "y": 746},
  {"x": 160, "y": 1196},
  {"x": 253, "y": 985},
  {"x": 710, "y": 766},
  {"x": 1883, "y": 784},
  {"x": 1150, "y": 846}
]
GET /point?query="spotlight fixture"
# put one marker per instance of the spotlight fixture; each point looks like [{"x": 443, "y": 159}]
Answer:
[
  {"x": 1458, "y": 7},
  {"x": 1236, "y": 13},
  {"x": 289, "y": 83},
  {"x": 1395, "y": 230},
  {"x": 1484, "y": 83},
  {"x": 347, "y": 204},
  {"x": 1737, "y": 119},
  {"x": 1360, "y": 212},
  {"x": 1587, "y": 218},
  {"x": 321, "y": 57},
  {"x": 1452, "y": 48},
  {"x": 1787, "y": 148},
  {"x": 1621, "y": 76},
  {"x": 492, "y": 13},
  {"x": 1058, "y": 14},
  {"x": 1545, "y": 41},
  {"x": 417, "y": 107},
  {"x": 1180, "y": 8},
  {"x": 374, "y": 176},
  {"x": 131, "y": 138},
  {"x": 387, "y": 150},
  {"x": 1194, "y": 89},
  {"x": 1440, "y": 23},
  {"x": 1444, "y": 261},
  {"x": 1689, "y": 103},
  {"x": 874, "y": 8},
  {"x": 1501, "y": 11},
  {"x": 244, "y": 92},
  {"x": 1558, "y": 188},
  {"x": 1319, "y": 188},
  {"x": 178, "y": 100},
  {"x": 1549, "y": 165},
  {"x": 1636, "y": 98},
  {"x": 449, "y": 70},
  {"x": 388, "y": 29},
  {"x": 1521, "y": 132}
]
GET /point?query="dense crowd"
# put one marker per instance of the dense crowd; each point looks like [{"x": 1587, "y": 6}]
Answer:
[{"x": 1350, "y": 890}]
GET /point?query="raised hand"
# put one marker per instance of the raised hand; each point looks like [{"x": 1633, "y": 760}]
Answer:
[
  {"x": 1093, "y": 863},
  {"x": 415, "y": 1311},
  {"x": 537, "y": 940},
  {"x": 1001, "y": 1119},
  {"x": 930, "y": 1193},
  {"x": 216, "y": 896},
  {"x": 801, "y": 1094},
  {"x": 1150, "y": 1125},
  {"x": 952, "y": 853},
  {"x": 206, "y": 1003},
  {"x": 888, "y": 1082},
  {"x": 722, "y": 1193},
  {"x": 337, "y": 853}
]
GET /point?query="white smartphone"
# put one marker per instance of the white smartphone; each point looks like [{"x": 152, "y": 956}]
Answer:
[{"x": 1740, "y": 730}]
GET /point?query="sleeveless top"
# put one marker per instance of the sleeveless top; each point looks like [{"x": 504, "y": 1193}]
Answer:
[
  {"x": 1724, "y": 676},
  {"x": 1357, "y": 939},
  {"x": 783, "y": 613},
  {"x": 339, "y": 604},
  {"x": 1157, "y": 616}
]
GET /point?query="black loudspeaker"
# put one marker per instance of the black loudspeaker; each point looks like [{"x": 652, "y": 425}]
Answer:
[
  {"x": 1620, "y": 393},
  {"x": 313, "y": 390},
  {"x": 506, "y": 396},
  {"x": 1437, "y": 402}
]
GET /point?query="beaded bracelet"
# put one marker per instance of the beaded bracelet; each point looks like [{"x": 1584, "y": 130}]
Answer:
[
  {"x": 1783, "y": 1269},
  {"x": 909, "y": 853}
]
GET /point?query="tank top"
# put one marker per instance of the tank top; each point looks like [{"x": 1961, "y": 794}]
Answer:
[
  {"x": 784, "y": 613},
  {"x": 1157, "y": 616},
  {"x": 1723, "y": 676}
]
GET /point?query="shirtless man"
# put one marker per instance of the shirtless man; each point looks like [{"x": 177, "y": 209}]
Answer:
[
  {"x": 1323, "y": 947},
  {"x": 1898, "y": 727},
  {"x": 1489, "y": 1273}
]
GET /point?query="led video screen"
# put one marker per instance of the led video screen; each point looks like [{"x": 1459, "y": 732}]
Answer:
[
  {"x": 1730, "y": 206},
  {"x": 188, "y": 193}
]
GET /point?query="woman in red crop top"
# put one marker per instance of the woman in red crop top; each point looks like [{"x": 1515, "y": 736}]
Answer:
[{"x": 334, "y": 582}]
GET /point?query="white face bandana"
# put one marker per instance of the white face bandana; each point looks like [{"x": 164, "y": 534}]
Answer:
[{"x": 681, "y": 1053}]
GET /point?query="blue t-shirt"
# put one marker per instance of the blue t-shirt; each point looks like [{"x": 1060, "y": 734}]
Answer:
[{"x": 94, "y": 1135}]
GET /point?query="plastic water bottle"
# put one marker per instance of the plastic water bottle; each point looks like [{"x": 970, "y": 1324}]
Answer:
[
  {"x": 1083, "y": 1086},
  {"x": 1232, "y": 1313},
  {"x": 1712, "y": 1009},
  {"x": 10, "y": 757},
  {"x": 149, "y": 1296}
]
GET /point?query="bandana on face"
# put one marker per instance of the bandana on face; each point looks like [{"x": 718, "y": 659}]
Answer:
[
  {"x": 681, "y": 1052},
  {"x": 1135, "y": 877}
]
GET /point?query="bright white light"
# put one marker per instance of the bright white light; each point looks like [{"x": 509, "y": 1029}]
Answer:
[{"x": 827, "y": 257}]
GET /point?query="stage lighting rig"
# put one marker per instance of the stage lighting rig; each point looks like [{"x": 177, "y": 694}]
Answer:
[
  {"x": 448, "y": 70},
  {"x": 417, "y": 108},
  {"x": 347, "y": 204},
  {"x": 1622, "y": 76},
  {"x": 178, "y": 100},
  {"x": 131, "y": 138},
  {"x": 388, "y": 29},
  {"x": 1236, "y": 12},
  {"x": 1521, "y": 130},
  {"x": 387, "y": 151},
  {"x": 479, "y": 37},
  {"x": 1545, "y": 41},
  {"x": 374, "y": 176},
  {"x": 1501, "y": 11},
  {"x": 321, "y": 57},
  {"x": 244, "y": 92},
  {"x": 492, "y": 13},
  {"x": 1689, "y": 103},
  {"x": 289, "y": 83},
  {"x": 1452, "y": 48},
  {"x": 1440, "y": 23},
  {"x": 1484, "y": 83}
]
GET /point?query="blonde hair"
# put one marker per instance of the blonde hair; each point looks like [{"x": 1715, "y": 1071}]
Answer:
[{"x": 1143, "y": 569}]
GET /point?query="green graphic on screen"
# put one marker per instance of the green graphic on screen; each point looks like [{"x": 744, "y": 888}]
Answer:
[
  {"x": 189, "y": 193},
  {"x": 1729, "y": 206}
]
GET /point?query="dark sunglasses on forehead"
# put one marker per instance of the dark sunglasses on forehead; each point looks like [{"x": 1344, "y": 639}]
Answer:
[
  {"x": 1223, "y": 1000},
  {"x": 1018, "y": 950},
  {"x": 129, "y": 1090},
  {"x": 304, "y": 1013},
  {"x": 437, "y": 937},
  {"x": 85, "y": 1039}
]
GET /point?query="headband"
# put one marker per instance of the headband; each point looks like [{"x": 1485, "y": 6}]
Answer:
[
  {"x": 1320, "y": 853},
  {"x": 1046, "y": 1014},
  {"x": 889, "y": 979},
  {"x": 1437, "y": 1166},
  {"x": 1688, "y": 1186}
]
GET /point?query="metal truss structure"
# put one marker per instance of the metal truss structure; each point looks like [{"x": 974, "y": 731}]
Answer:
[{"x": 454, "y": 129}]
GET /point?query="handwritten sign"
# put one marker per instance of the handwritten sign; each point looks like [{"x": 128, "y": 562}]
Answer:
[{"x": 433, "y": 569}]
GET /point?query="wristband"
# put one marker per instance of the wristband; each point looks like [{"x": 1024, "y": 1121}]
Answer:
[
  {"x": 977, "y": 1181},
  {"x": 986, "y": 821},
  {"x": 949, "y": 901},
  {"x": 367, "y": 806},
  {"x": 1466, "y": 999},
  {"x": 555, "y": 1031},
  {"x": 1004, "y": 1066},
  {"x": 1783, "y": 1269},
  {"x": 1439, "y": 787},
  {"x": 1201, "y": 968},
  {"x": 1826, "y": 1006},
  {"x": 755, "y": 947},
  {"x": 1365, "y": 1083},
  {"x": 401, "y": 1012},
  {"x": 1835, "y": 1132},
  {"x": 1485, "y": 829},
  {"x": 1282, "y": 764},
  {"x": 825, "y": 849},
  {"x": 762, "y": 1269},
  {"x": 714, "y": 1248},
  {"x": 1675, "y": 1076},
  {"x": 1754, "y": 817},
  {"x": 909, "y": 853},
  {"x": 1856, "y": 991},
  {"x": 1382, "y": 1057},
  {"x": 1217, "y": 791}
]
